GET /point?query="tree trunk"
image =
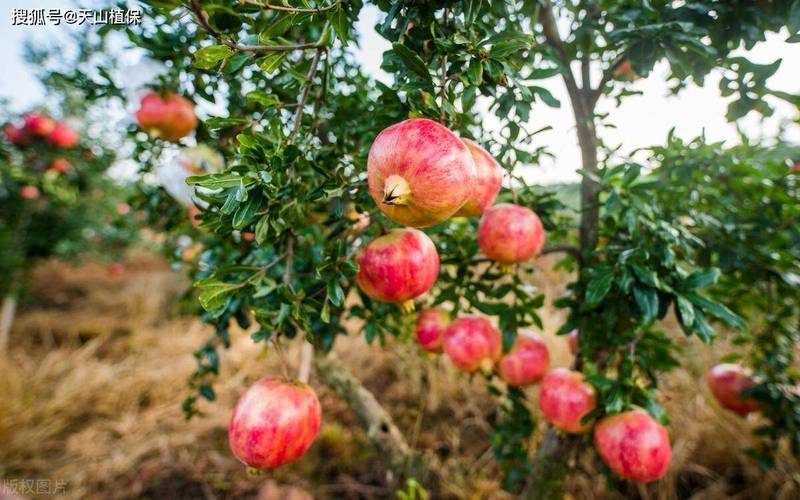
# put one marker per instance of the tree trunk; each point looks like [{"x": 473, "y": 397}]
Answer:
[
  {"x": 7, "y": 319},
  {"x": 590, "y": 210},
  {"x": 551, "y": 465},
  {"x": 400, "y": 458}
]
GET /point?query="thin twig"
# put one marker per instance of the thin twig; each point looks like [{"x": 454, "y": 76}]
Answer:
[
  {"x": 572, "y": 250},
  {"x": 202, "y": 20},
  {"x": 595, "y": 93},
  {"x": 301, "y": 101},
  {"x": 293, "y": 10}
]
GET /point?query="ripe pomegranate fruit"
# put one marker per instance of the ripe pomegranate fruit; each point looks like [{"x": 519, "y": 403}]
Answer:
[
  {"x": 398, "y": 267},
  {"x": 419, "y": 172},
  {"x": 60, "y": 165},
  {"x": 431, "y": 324},
  {"x": 169, "y": 117},
  {"x": 527, "y": 361},
  {"x": 248, "y": 236},
  {"x": 63, "y": 136},
  {"x": 624, "y": 71},
  {"x": 633, "y": 445},
  {"x": 274, "y": 422},
  {"x": 572, "y": 340},
  {"x": 29, "y": 192},
  {"x": 488, "y": 179},
  {"x": 565, "y": 398},
  {"x": 473, "y": 343},
  {"x": 727, "y": 381},
  {"x": 16, "y": 135},
  {"x": 509, "y": 234},
  {"x": 39, "y": 124},
  {"x": 123, "y": 209}
]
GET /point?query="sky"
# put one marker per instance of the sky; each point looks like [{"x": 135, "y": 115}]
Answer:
[{"x": 641, "y": 121}]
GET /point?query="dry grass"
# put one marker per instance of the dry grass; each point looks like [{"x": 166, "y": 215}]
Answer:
[{"x": 91, "y": 395}]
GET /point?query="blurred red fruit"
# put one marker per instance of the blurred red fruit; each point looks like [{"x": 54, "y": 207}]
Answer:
[
  {"x": 489, "y": 178},
  {"x": 431, "y": 325},
  {"x": 727, "y": 381},
  {"x": 39, "y": 124},
  {"x": 510, "y": 233},
  {"x": 634, "y": 446},
  {"x": 116, "y": 270},
  {"x": 274, "y": 423},
  {"x": 248, "y": 236},
  {"x": 527, "y": 361},
  {"x": 29, "y": 192},
  {"x": 63, "y": 136},
  {"x": 170, "y": 117},
  {"x": 123, "y": 209},
  {"x": 17, "y": 135},
  {"x": 60, "y": 165},
  {"x": 565, "y": 398},
  {"x": 472, "y": 342}
]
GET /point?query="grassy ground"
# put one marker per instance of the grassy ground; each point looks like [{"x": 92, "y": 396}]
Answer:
[{"x": 91, "y": 394}]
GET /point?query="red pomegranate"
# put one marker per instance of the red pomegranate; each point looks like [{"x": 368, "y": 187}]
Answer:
[
  {"x": 634, "y": 446},
  {"x": 248, "y": 236},
  {"x": 169, "y": 117},
  {"x": 123, "y": 209},
  {"x": 489, "y": 177},
  {"x": 274, "y": 423},
  {"x": 572, "y": 340},
  {"x": 16, "y": 135},
  {"x": 565, "y": 398},
  {"x": 63, "y": 136},
  {"x": 727, "y": 381},
  {"x": 419, "y": 172},
  {"x": 398, "y": 267},
  {"x": 431, "y": 324},
  {"x": 527, "y": 361},
  {"x": 60, "y": 165},
  {"x": 473, "y": 343},
  {"x": 39, "y": 124},
  {"x": 29, "y": 192},
  {"x": 624, "y": 71},
  {"x": 510, "y": 233}
]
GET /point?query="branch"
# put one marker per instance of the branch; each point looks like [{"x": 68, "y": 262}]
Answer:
[
  {"x": 301, "y": 100},
  {"x": 569, "y": 249},
  {"x": 202, "y": 20},
  {"x": 380, "y": 427},
  {"x": 550, "y": 28},
  {"x": 293, "y": 10},
  {"x": 607, "y": 75}
]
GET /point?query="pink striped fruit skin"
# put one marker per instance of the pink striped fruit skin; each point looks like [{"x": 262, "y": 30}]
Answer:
[
  {"x": 431, "y": 324},
  {"x": 274, "y": 423},
  {"x": 527, "y": 361},
  {"x": 472, "y": 343},
  {"x": 39, "y": 124},
  {"x": 419, "y": 172},
  {"x": 510, "y": 233},
  {"x": 726, "y": 382},
  {"x": 634, "y": 446},
  {"x": 63, "y": 136},
  {"x": 489, "y": 178},
  {"x": 169, "y": 117},
  {"x": 564, "y": 399},
  {"x": 398, "y": 266},
  {"x": 17, "y": 135}
]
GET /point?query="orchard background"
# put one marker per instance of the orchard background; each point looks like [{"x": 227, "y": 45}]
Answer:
[{"x": 225, "y": 210}]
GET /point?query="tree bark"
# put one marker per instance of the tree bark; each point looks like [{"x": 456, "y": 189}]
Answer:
[
  {"x": 7, "y": 319},
  {"x": 550, "y": 470},
  {"x": 382, "y": 432}
]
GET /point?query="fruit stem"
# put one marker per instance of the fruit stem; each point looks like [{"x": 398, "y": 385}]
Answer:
[
  {"x": 486, "y": 367},
  {"x": 406, "y": 307},
  {"x": 396, "y": 191},
  {"x": 506, "y": 268},
  {"x": 252, "y": 471}
]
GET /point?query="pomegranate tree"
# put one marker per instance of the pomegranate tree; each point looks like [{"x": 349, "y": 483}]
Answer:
[
  {"x": 633, "y": 445},
  {"x": 472, "y": 343},
  {"x": 510, "y": 234},
  {"x": 398, "y": 267},
  {"x": 419, "y": 172},
  {"x": 565, "y": 398},
  {"x": 169, "y": 117},
  {"x": 430, "y": 328},
  {"x": 274, "y": 422},
  {"x": 527, "y": 361},
  {"x": 727, "y": 381}
]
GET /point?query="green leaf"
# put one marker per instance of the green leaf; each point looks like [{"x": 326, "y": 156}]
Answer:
[
  {"x": 271, "y": 62},
  {"x": 686, "y": 312},
  {"x": 717, "y": 310},
  {"x": 208, "y": 57},
  {"x": 214, "y": 293},
  {"x": 412, "y": 61},
  {"x": 647, "y": 301},
  {"x": 702, "y": 279},
  {"x": 793, "y": 21},
  {"x": 219, "y": 181},
  {"x": 475, "y": 72},
  {"x": 599, "y": 286}
]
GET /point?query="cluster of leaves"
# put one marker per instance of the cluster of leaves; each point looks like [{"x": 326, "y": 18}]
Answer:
[{"x": 743, "y": 203}]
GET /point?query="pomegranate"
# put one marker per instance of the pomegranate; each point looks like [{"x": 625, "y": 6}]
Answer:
[
  {"x": 509, "y": 234},
  {"x": 398, "y": 267},
  {"x": 123, "y": 209},
  {"x": 431, "y": 324},
  {"x": 472, "y": 343},
  {"x": 39, "y": 124},
  {"x": 63, "y": 136},
  {"x": 60, "y": 165},
  {"x": 572, "y": 340},
  {"x": 527, "y": 361},
  {"x": 624, "y": 71},
  {"x": 419, "y": 172},
  {"x": 633, "y": 445},
  {"x": 274, "y": 423},
  {"x": 727, "y": 381},
  {"x": 489, "y": 177},
  {"x": 565, "y": 398},
  {"x": 29, "y": 192},
  {"x": 17, "y": 135},
  {"x": 248, "y": 236},
  {"x": 169, "y": 117}
]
